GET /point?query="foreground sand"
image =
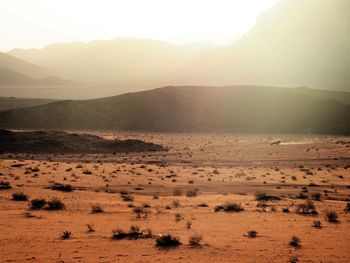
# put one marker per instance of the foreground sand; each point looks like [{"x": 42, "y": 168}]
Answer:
[{"x": 218, "y": 168}]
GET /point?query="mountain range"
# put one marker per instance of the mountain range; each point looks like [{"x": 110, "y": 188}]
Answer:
[{"x": 295, "y": 43}]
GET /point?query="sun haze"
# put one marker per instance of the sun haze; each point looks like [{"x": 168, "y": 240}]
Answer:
[{"x": 35, "y": 23}]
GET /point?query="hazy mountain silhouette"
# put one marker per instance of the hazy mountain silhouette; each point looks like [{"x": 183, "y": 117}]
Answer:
[
  {"x": 121, "y": 61},
  {"x": 9, "y": 77},
  {"x": 21, "y": 66},
  {"x": 9, "y": 103},
  {"x": 295, "y": 43},
  {"x": 196, "y": 109}
]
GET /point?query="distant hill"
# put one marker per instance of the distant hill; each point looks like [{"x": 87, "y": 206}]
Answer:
[
  {"x": 21, "y": 66},
  {"x": 10, "y": 103},
  {"x": 243, "y": 109},
  {"x": 9, "y": 77},
  {"x": 295, "y": 43},
  {"x": 121, "y": 61}
]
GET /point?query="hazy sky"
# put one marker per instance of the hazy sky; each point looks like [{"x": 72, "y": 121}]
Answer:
[{"x": 36, "y": 23}]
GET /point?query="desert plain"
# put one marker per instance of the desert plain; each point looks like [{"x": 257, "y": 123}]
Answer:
[{"x": 225, "y": 197}]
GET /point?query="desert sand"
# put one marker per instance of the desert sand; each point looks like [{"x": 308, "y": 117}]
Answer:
[{"x": 179, "y": 192}]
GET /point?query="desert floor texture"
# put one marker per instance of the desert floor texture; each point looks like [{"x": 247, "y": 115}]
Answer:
[{"x": 179, "y": 192}]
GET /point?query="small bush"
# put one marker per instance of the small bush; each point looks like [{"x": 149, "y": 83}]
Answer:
[
  {"x": 218, "y": 208},
  {"x": 195, "y": 240},
  {"x": 55, "y": 204},
  {"x": 302, "y": 196},
  {"x": 148, "y": 233},
  {"x": 167, "y": 241},
  {"x": 232, "y": 207},
  {"x": 261, "y": 196},
  {"x": 229, "y": 207},
  {"x": 66, "y": 235},
  {"x": 332, "y": 216},
  {"x": 87, "y": 171},
  {"x": 5, "y": 185},
  {"x": 119, "y": 234},
  {"x": 317, "y": 224},
  {"x": 178, "y": 217},
  {"x": 295, "y": 242},
  {"x": 191, "y": 193},
  {"x": 252, "y": 234},
  {"x": 134, "y": 233},
  {"x": 176, "y": 203},
  {"x": 293, "y": 260},
  {"x": 96, "y": 209},
  {"x": 90, "y": 228},
  {"x": 285, "y": 209},
  {"x": 177, "y": 192},
  {"x": 62, "y": 187},
  {"x": 140, "y": 211},
  {"x": 316, "y": 196},
  {"x": 307, "y": 208},
  {"x": 19, "y": 197},
  {"x": 127, "y": 198},
  {"x": 37, "y": 203},
  {"x": 189, "y": 224}
]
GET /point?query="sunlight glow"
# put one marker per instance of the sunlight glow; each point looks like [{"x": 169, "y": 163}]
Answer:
[{"x": 34, "y": 23}]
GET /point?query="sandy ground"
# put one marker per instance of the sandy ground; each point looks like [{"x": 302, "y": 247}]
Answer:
[{"x": 218, "y": 168}]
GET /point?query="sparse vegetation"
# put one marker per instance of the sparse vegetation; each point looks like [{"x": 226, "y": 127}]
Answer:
[
  {"x": 178, "y": 217},
  {"x": 55, "y": 204},
  {"x": 195, "y": 240},
  {"x": 177, "y": 192},
  {"x": 19, "y": 197},
  {"x": 191, "y": 193},
  {"x": 96, "y": 209},
  {"x": 293, "y": 259},
  {"x": 295, "y": 242},
  {"x": 229, "y": 207},
  {"x": 119, "y": 234},
  {"x": 126, "y": 197},
  {"x": 261, "y": 196},
  {"x": 5, "y": 185},
  {"x": 167, "y": 241},
  {"x": 140, "y": 211},
  {"x": 307, "y": 208},
  {"x": 317, "y": 224},
  {"x": 332, "y": 216},
  {"x": 252, "y": 233},
  {"x": 62, "y": 187},
  {"x": 87, "y": 171},
  {"x": 38, "y": 203},
  {"x": 285, "y": 209},
  {"x": 133, "y": 233},
  {"x": 176, "y": 203},
  {"x": 66, "y": 235},
  {"x": 316, "y": 196},
  {"x": 90, "y": 228}
]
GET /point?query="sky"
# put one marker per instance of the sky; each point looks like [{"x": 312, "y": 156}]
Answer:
[{"x": 36, "y": 23}]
